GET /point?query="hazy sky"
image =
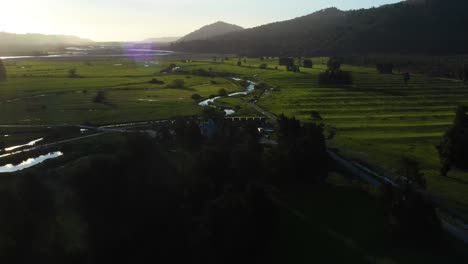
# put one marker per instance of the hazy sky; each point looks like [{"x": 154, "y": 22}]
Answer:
[{"x": 139, "y": 19}]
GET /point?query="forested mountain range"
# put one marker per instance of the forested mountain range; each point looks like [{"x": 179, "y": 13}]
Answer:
[{"x": 416, "y": 26}]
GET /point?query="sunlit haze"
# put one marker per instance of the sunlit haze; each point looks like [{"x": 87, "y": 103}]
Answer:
[{"x": 107, "y": 20}]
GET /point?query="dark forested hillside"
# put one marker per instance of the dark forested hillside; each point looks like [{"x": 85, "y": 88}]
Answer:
[
  {"x": 426, "y": 26},
  {"x": 209, "y": 31}
]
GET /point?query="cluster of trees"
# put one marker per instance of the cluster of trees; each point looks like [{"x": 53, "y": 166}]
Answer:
[
  {"x": 100, "y": 97},
  {"x": 334, "y": 75},
  {"x": 196, "y": 97},
  {"x": 177, "y": 198},
  {"x": 385, "y": 68},
  {"x": 308, "y": 64},
  {"x": 453, "y": 150},
  {"x": 222, "y": 92},
  {"x": 176, "y": 84},
  {"x": 412, "y": 217},
  {"x": 156, "y": 81},
  {"x": 3, "y": 71},
  {"x": 73, "y": 73},
  {"x": 406, "y": 78},
  {"x": 463, "y": 74},
  {"x": 29, "y": 229},
  {"x": 290, "y": 64},
  {"x": 435, "y": 65},
  {"x": 301, "y": 152}
]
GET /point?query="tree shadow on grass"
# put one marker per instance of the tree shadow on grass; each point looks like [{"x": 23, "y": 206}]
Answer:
[{"x": 182, "y": 89}]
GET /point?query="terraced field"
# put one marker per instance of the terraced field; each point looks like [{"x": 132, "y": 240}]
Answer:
[{"x": 379, "y": 120}]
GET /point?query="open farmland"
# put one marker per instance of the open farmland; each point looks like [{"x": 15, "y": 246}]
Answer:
[
  {"x": 378, "y": 119},
  {"x": 40, "y": 92}
]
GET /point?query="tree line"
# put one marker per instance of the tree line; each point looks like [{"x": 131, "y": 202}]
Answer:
[{"x": 180, "y": 196}]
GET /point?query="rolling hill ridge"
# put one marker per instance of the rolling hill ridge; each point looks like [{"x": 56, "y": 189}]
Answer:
[
  {"x": 213, "y": 30},
  {"x": 428, "y": 27}
]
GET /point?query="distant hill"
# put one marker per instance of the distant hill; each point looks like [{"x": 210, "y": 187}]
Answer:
[
  {"x": 209, "y": 31},
  {"x": 162, "y": 40},
  {"x": 415, "y": 26},
  {"x": 40, "y": 39},
  {"x": 25, "y": 43}
]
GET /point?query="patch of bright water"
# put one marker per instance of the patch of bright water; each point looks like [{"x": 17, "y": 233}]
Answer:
[
  {"x": 29, "y": 162},
  {"x": 229, "y": 112},
  {"x": 32, "y": 143}
]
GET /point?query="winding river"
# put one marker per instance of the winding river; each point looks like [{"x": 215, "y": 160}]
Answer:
[{"x": 250, "y": 88}]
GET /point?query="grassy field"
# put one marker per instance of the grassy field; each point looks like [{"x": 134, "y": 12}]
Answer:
[
  {"x": 325, "y": 220},
  {"x": 378, "y": 119},
  {"x": 42, "y": 93}
]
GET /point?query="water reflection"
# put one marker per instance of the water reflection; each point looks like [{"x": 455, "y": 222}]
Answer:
[
  {"x": 208, "y": 101},
  {"x": 29, "y": 162},
  {"x": 250, "y": 88},
  {"x": 32, "y": 143},
  {"x": 229, "y": 112}
]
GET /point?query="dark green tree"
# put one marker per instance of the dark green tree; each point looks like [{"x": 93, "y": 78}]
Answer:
[
  {"x": 412, "y": 217},
  {"x": 188, "y": 133},
  {"x": 196, "y": 97},
  {"x": 3, "y": 71},
  {"x": 385, "y": 68},
  {"x": 308, "y": 64},
  {"x": 409, "y": 173},
  {"x": 288, "y": 62},
  {"x": 176, "y": 84},
  {"x": 100, "y": 97},
  {"x": 453, "y": 150},
  {"x": 28, "y": 220},
  {"x": 463, "y": 74},
  {"x": 156, "y": 81},
  {"x": 302, "y": 151},
  {"x": 73, "y": 73},
  {"x": 334, "y": 75},
  {"x": 334, "y": 64},
  {"x": 406, "y": 78},
  {"x": 222, "y": 92}
]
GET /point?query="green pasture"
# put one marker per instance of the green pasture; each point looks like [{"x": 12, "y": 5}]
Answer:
[
  {"x": 378, "y": 119},
  {"x": 338, "y": 216},
  {"x": 40, "y": 92}
]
